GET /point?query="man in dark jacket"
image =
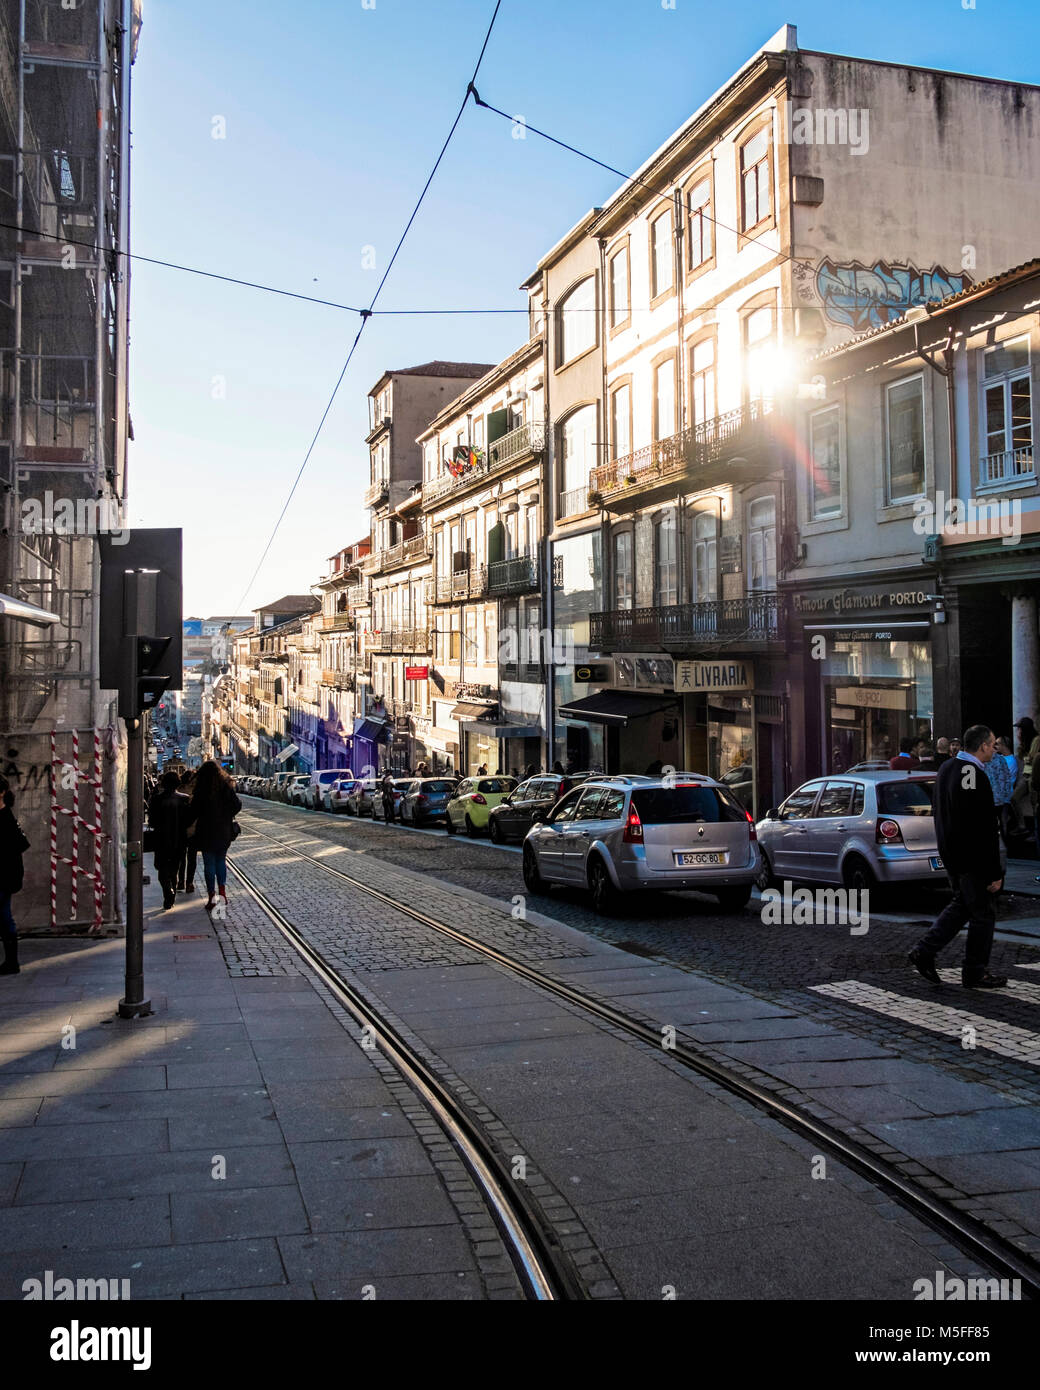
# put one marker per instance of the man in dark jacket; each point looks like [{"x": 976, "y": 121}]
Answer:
[
  {"x": 13, "y": 845},
  {"x": 969, "y": 843}
]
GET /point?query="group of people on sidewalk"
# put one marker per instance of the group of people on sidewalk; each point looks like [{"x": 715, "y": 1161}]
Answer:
[{"x": 191, "y": 815}]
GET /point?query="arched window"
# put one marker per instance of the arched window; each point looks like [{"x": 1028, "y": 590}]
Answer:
[
  {"x": 761, "y": 519},
  {"x": 578, "y": 451},
  {"x": 705, "y": 558},
  {"x": 577, "y": 321},
  {"x": 666, "y": 588}
]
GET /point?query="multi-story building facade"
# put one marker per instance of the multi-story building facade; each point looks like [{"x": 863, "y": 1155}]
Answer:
[
  {"x": 915, "y": 609},
  {"x": 343, "y": 634},
  {"x": 397, "y": 712},
  {"x": 64, "y": 418},
  {"x": 251, "y": 715},
  {"x": 484, "y": 518},
  {"x": 738, "y": 250}
]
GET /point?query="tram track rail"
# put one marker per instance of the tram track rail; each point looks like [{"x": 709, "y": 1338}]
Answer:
[
  {"x": 543, "y": 1269},
  {"x": 972, "y": 1236}
]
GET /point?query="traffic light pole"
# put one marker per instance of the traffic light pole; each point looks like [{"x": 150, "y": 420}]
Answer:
[{"x": 134, "y": 1004}]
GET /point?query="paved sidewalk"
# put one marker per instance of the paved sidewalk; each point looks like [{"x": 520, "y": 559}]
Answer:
[{"x": 236, "y": 1144}]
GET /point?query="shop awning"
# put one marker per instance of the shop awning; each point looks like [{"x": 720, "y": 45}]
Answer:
[
  {"x": 372, "y": 729},
  {"x": 615, "y": 707},
  {"x": 468, "y": 710}
]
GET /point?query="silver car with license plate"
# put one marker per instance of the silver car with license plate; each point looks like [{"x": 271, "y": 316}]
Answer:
[
  {"x": 620, "y": 835},
  {"x": 864, "y": 831}
]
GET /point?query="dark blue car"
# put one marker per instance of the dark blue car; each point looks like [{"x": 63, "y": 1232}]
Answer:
[{"x": 425, "y": 800}]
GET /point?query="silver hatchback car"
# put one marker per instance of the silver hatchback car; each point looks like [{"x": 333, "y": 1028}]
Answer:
[
  {"x": 616, "y": 835},
  {"x": 861, "y": 829}
]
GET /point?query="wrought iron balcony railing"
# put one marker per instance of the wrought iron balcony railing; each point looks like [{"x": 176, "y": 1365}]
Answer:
[
  {"x": 756, "y": 620},
  {"x": 502, "y": 454},
  {"x": 514, "y": 576},
  {"x": 456, "y": 588},
  {"x": 377, "y": 493},
  {"x": 409, "y": 640},
  {"x": 1006, "y": 467},
  {"x": 334, "y": 622},
  {"x": 405, "y": 552}
]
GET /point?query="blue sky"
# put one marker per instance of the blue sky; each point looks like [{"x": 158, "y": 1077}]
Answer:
[{"x": 333, "y": 114}]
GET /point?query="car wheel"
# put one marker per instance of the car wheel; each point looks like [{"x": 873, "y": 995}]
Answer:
[
  {"x": 449, "y": 825},
  {"x": 604, "y": 894},
  {"x": 766, "y": 878},
  {"x": 471, "y": 829},
  {"x": 533, "y": 881},
  {"x": 494, "y": 831},
  {"x": 858, "y": 876},
  {"x": 733, "y": 899}
]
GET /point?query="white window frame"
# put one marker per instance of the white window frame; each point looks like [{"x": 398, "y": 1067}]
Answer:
[
  {"x": 838, "y": 508},
  {"x": 1004, "y": 380},
  {"x": 890, "y": 499}
]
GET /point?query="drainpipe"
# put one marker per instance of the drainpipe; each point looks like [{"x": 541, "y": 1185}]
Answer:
[{"x": 680, "y": 392}]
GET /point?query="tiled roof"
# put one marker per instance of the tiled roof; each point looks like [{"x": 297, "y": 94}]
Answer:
[
  {"x": 439, "y": 368},
  {"x": 291, "y": 603}
]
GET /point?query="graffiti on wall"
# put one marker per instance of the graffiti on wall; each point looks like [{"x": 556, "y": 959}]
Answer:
[{"x": 862, "y": 297}]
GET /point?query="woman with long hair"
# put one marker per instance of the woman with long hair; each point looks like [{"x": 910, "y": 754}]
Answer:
[
  {"x": 13, "y": 845},
  {"x": 214, "y": 805}
]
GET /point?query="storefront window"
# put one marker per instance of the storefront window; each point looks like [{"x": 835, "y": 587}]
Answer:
[
  {"x": 875, "y": 692},
  {"x": 731, "y": 745}
]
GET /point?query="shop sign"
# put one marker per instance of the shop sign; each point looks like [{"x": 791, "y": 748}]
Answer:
[
  {"x": 871, "y": 697},
  {"x": 692, "y": 676},
  {"x": 417, "y": 673},
  {"x": 585, "y": 675},
  {"x": 853, "y": 601}
]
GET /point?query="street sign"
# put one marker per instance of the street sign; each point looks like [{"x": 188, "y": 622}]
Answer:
[{"x": 417, "y": 673}]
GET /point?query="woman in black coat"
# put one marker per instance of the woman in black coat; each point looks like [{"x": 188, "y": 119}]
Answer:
[
  {"x": 211, "y": 816},
  {"x": 13, "y": 845},
  {"x": 168, "y": 817}
]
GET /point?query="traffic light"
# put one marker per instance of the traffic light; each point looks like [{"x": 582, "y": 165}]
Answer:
[{"x": 149, "y": 685}]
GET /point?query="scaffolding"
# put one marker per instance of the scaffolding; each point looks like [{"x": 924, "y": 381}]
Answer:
[{"x": 64, "y": 422}]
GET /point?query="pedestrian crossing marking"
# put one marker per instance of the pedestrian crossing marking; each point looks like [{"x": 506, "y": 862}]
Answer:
[
  {"x": 995, "y": 1036},
  {"x": 1016, "y": 989}
]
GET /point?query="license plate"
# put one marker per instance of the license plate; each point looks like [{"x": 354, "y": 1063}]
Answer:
[
  {"x": 935, "y": 862},
  {"x": 684, "y": 857}
]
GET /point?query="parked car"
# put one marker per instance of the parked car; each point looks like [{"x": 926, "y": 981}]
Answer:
[
  {"x": 318, "y": 782},
  {"x": 470, "y": 803},
  {"x": 741, "y": 783},
  {"x": 863, "y": 831},
  {"x": 335, "y": 794},
  {"x": 871, "y": 765},
  {"x": 359, "y": 799},
  {"x": 400, "y": 786},
  {"x": 513, "y": 817},
  {"x": 617, "y": 835},
  {"x": 298, "y": 789},
  {"x": 426, "y": 800}
]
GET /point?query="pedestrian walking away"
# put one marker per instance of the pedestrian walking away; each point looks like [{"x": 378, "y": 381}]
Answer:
[
  {"x": 13, "y": 845},
  {"x": 388, "y": 796},
  {"x": 168, "y": 817},
  {"x": 190, "y": 857},
  {"x": 969, "y": 843},
  {"x": 212, "y": 825}
]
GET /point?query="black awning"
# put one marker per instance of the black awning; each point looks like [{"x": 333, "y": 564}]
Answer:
[
  {"x": 615, "y": 707},
  {"x": 372, "y": 729},
  {"x": 468, "y": 710}
]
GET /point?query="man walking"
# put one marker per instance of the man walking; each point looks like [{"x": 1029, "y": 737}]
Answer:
[{"x": 969, "y": 843}]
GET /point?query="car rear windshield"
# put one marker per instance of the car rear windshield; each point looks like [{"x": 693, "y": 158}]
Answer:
[
  {"x": 436, "y": 786},
  {"x": 682, "y": 805},
  {"x": 905, "y": 798},
  {"x": 496, "y": 784},
  {"x": 329, "y": 776}
]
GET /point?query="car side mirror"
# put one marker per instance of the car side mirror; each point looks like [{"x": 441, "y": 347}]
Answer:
[
  {"x": 772, "y": 814},
  {"x": 538, "y": 818}
]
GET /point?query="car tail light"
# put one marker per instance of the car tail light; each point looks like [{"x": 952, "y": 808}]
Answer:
[
  {"x": 752, "y": 832},
  {"x": 422, "y": 799},
  {"x": 478, "y": 800},
  {"x": 888, "y": 832},
  {"x": 633, "y": 828}
]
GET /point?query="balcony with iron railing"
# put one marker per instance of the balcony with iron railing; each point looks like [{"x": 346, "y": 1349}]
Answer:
[
  {"x": 408, "y": 640},
  {"x": 504, "y": 453},
  {"x": 1009, "y": 466},
  {"x": 736, "y": 447},
  {"x": 409, "y": 552},
  {"x": 334, "y": 622},
  {"x": 755, "y": 622},
  {"x": 338, "y": 680},
  {"x": 517, "y": 575},
  {"x": 358, "y": 595},
  {"x": 457, "y": 587},
  {"x": 376, "y": 493}
]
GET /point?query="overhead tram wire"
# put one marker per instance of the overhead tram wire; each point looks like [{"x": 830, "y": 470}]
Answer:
[
  {"x": 366, "y": 314},
  {"x": 628, "y": 178}
]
